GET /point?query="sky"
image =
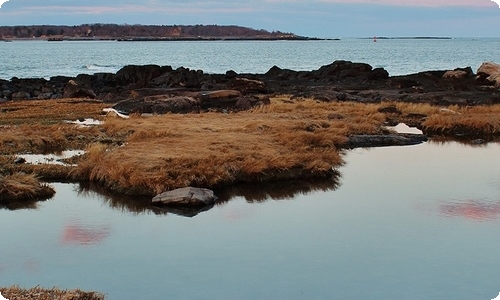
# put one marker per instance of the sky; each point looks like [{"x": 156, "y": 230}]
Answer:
[{"x": 312, "y": 18}]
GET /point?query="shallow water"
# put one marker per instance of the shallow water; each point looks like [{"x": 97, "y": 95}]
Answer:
[
  {"x": 416, "y": 222},
  {"x": 51, "y": 158}
]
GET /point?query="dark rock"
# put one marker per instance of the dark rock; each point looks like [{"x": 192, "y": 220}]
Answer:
[
  {"x": 335, "y": 117},
  {"x": 341, "y": 96},
  {"x": 275, "y": 71},
  {"x": 44, "y": 96},
  {"x": 19, "y": 160},
  {"x": 382, "y": 140},
  {"x": 246, "y": 85},
  {"x": 231, "y": 74},
  {"x": 389, "y": 109},
  {"x": 20, "y": 96},
  {"x": 158, "y": 105},
  {"x": 7, "y": 94},
  {"x": 378, "y": 73},
  {"x": 220, "y": 99},
  {"x": 75, "y": 89},
  {"x": 134, "y": 73},
  {"x": 188, "y": 196}
]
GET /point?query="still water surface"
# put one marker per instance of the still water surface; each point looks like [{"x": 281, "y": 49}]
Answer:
[{"x": 417, "y": 222}]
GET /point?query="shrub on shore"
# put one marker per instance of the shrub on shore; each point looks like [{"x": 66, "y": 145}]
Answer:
[{"x": 38, "y": 293}]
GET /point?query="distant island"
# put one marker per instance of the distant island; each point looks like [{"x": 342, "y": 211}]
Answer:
[{"x": 143, "y": 32}]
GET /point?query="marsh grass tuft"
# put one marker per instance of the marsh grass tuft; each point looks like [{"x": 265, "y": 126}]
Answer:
[{"x": 23, "y": 187}]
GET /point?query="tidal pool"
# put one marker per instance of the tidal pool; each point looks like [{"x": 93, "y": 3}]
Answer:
[{"x": 415, "y": 222}]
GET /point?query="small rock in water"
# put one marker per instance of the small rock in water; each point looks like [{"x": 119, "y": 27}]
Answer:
[
  {"x": 186, "y": 196},
  {"x": 478, "y": 141},
  {"x": 19, "y": 160}
]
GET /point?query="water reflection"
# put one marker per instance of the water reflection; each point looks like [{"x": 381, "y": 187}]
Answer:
[
  {"x": 184, "y": 211},
  {"x": 78, "y": 234},
  {"x": 477, "y": 210},
  {"x": 123, "y": 203},
  {"x": 278, "y": 190},
  {"x": 18, "y": 205},
  {"x": 252, "y": 192},
  {"x": 59, "y": 158},
  {"x": 466, "y": 141}
]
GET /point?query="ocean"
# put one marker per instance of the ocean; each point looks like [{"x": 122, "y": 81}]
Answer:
[{"x": 42, "y": 59}]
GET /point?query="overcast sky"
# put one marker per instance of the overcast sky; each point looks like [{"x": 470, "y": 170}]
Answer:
[{"x": 313, "y": 18}]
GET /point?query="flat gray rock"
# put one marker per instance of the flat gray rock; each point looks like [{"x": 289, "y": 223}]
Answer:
[{"x": 190, "y": 196}]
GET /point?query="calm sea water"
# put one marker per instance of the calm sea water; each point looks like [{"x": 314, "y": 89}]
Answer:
[
  {"x": 417, "y": 222},
  {"x": 27, "y": 59}
]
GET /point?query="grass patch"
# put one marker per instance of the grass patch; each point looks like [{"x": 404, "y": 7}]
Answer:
[
  {"x": 284, "y": 140},
  {"x": 279, "y": 141},
  {"x": 23, "y": 187}
]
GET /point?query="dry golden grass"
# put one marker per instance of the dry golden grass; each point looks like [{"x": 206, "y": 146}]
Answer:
[
  {"x": 23, "y": 187},
  {"x": 470, "y": 121},
  {"x": 38, "y": 293},
  {"x": 39, "y": 126},
  {"x": 211, "y": 149},
  {"x": 49, "y": 111},
  {"x": 147, "y": 155}
]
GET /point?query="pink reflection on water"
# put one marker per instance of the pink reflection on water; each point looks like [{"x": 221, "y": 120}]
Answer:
[
  {"x": 75, "y": 234},
  {"x": 32, "y": 266},
  {"x": 472, "y": 209}
]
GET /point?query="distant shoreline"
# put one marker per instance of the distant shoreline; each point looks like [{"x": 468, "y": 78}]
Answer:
[{"x": 169, "y": 39}]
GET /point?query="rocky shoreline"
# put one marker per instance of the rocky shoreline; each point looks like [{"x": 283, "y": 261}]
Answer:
[{"x": 161, "y": 89}]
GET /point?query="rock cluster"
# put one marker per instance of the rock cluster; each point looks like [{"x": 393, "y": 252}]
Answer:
[{"x": 160, "y": 89}]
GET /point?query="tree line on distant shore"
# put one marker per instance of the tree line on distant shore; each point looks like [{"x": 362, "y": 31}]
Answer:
[{"x": 134, "y": 31}]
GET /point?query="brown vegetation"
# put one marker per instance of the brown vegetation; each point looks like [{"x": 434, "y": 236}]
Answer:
[
  {"x": 23, "y": 187},
  {"x": 284, "y": 140},
  {"x": 38, "y": 293},
  {"x": 452, "y": 121}
]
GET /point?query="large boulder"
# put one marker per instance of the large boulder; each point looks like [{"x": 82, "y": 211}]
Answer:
[
  {"x": 134, "y": 73},
  {"x": 188, "y": 196},
  {"x": 220, "y": 99},
  {"x": 20, "y": 96},
  {"x": 457, "y": 74},
  {"x": 161, "y": 104},
  {"x": 490, "y": 73},
  {"x": 76, "y": 89},
  {"x": 246, "y": 85},
  {"x": 341, "y": 69},
  {"x": 488, "y": 68}
]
